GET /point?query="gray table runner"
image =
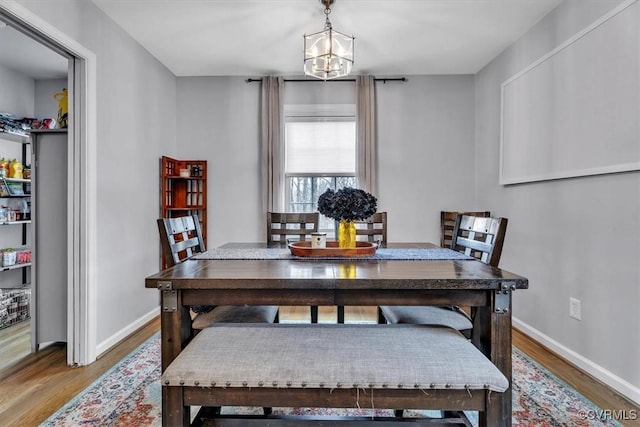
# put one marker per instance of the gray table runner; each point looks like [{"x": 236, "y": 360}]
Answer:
[{"x": 401, "y": 254}]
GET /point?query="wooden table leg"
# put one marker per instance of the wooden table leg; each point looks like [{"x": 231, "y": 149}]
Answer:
[
  {"x": 492, "y": 335},
  {"x": 174, "y": 413},
  {"x": 175, "y": 332}
]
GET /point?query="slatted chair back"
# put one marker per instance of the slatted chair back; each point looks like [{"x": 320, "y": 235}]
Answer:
[
  {"x": 180, "y": 238},
  {"x": 284, "y": 225},
  {"x": 448, "y": 221},
  {"x": 373, "y": 228},
  {"x": 480, "y": 237}
]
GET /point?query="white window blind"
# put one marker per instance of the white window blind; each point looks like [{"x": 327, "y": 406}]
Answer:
[{"x": 320, "y": 147}]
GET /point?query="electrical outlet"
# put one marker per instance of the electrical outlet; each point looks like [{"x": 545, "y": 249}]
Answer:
[{"x": 574, "y": 308}]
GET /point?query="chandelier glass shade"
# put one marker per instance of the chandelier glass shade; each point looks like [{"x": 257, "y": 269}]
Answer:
[{"x": 328, "y": 54}]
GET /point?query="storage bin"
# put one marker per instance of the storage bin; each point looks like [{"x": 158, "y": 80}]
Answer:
[
  {"x": 14, "y": 306},
  {"x": 9, "y": 258}
]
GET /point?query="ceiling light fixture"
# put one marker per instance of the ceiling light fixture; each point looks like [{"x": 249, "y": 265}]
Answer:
[{"x": 328, "y": 54}]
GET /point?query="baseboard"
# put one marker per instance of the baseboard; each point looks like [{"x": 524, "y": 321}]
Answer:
[
  {"x": 613, "y": 381},
  {"x": 126, "y": 331}
]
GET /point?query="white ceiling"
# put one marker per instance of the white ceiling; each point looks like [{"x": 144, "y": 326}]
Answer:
[
  {"x": 258, "y": 37},
  {"x": 27, "y": 56}
]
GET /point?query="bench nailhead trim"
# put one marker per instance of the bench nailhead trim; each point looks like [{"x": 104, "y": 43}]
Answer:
[
  {"x": 432, "y": 385},
  {"x": 228, "y": 384},
  {"x": 416, "y": 385},
  {"x": 213, "y": 383},
  {"x": 304, "y": 384},
  {"x": 260, "y": 384},
  {"x": 288, "y": 383},
  {"x": 275, "y": 383},
  {"x": 196, "y": 383},
  {"x": 167, "y": 382},
  {"x": 181, "y": 382},
  {"x": 244, "y": 383}
]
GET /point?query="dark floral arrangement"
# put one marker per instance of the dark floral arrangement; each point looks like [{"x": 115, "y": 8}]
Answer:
[{"x": 347, "y": 204}]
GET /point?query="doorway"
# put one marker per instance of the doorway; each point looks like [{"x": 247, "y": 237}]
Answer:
[{"x": 81, "y": 179}]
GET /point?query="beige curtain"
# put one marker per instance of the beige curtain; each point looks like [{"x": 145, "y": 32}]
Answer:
[
  {"x": 272, "y": 144},
  {"x": 366, "y": 133}
]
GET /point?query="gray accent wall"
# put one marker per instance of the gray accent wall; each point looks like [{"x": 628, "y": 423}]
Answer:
[
  {"x": 425, "y": 153},
  {"x": 425, "y": 149},
  {"x": 577, "y": 237}
]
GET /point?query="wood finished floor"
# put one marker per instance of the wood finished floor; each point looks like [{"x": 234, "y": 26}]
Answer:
[
  {"x": 15, "y": 343},
  {"x": 34, "y": 387}
]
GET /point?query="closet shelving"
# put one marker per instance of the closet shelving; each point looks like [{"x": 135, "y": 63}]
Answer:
[{"x": 15, "y": 201}]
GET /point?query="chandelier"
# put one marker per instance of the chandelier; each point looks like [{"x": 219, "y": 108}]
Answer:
[{"x": 328, "y": 54}]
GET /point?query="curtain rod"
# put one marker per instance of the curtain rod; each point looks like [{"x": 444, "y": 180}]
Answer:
[{"x": 383, "y": 80}]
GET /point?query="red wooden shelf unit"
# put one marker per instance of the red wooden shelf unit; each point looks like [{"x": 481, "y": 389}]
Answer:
[{"x": 184, "y": 195}]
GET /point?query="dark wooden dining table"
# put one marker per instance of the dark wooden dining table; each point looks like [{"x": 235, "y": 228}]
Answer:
[{"x": 326, "y": 282}]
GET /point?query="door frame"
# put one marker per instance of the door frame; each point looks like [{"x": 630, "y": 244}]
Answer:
[{"x": 81, "y": 179}]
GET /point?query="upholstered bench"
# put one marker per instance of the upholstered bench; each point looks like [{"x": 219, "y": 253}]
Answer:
[{"x": 332, "y": 366}]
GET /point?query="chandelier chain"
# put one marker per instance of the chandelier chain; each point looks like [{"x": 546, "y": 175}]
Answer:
[{"x": 327, "y": 23}]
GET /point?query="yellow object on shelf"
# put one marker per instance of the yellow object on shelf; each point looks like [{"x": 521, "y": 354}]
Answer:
[
  {"x": 15, "y": 169},
  {"x": 63, "y": 108},
  {"x": 4, "y": 167}
]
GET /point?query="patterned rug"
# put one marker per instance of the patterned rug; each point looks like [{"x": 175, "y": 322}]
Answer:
[{"x": 129, "y": 394}]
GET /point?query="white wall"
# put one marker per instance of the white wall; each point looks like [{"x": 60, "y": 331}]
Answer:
[
  {"x": 576, "y": 237},
  {"x": 136, "y": 125},
  {"x": 425, "y": 145},
  {"x": 16, "y": 93}
]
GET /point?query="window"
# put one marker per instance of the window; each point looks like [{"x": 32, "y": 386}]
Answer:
[{"x": 320, "y": 153}]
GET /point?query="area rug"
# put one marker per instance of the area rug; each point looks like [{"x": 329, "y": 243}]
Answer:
[{"x": 129, "y": 395}]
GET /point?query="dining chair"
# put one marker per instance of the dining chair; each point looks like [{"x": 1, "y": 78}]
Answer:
[
  {"x": 448, "y": 221},
  {"x": 372, "y": 229},
  {"x": 300, "y": 225},
  {"x": 478, "y": 237},
  {"x": 181, "y": 239},
  {"x": 283, "y": 225}
]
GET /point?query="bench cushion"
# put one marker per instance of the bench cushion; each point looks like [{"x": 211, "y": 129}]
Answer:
[
  {"x": 426, "y": 316},
  {"x": 236, "y": 314},
  {"x": 333, "y": 356}
]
